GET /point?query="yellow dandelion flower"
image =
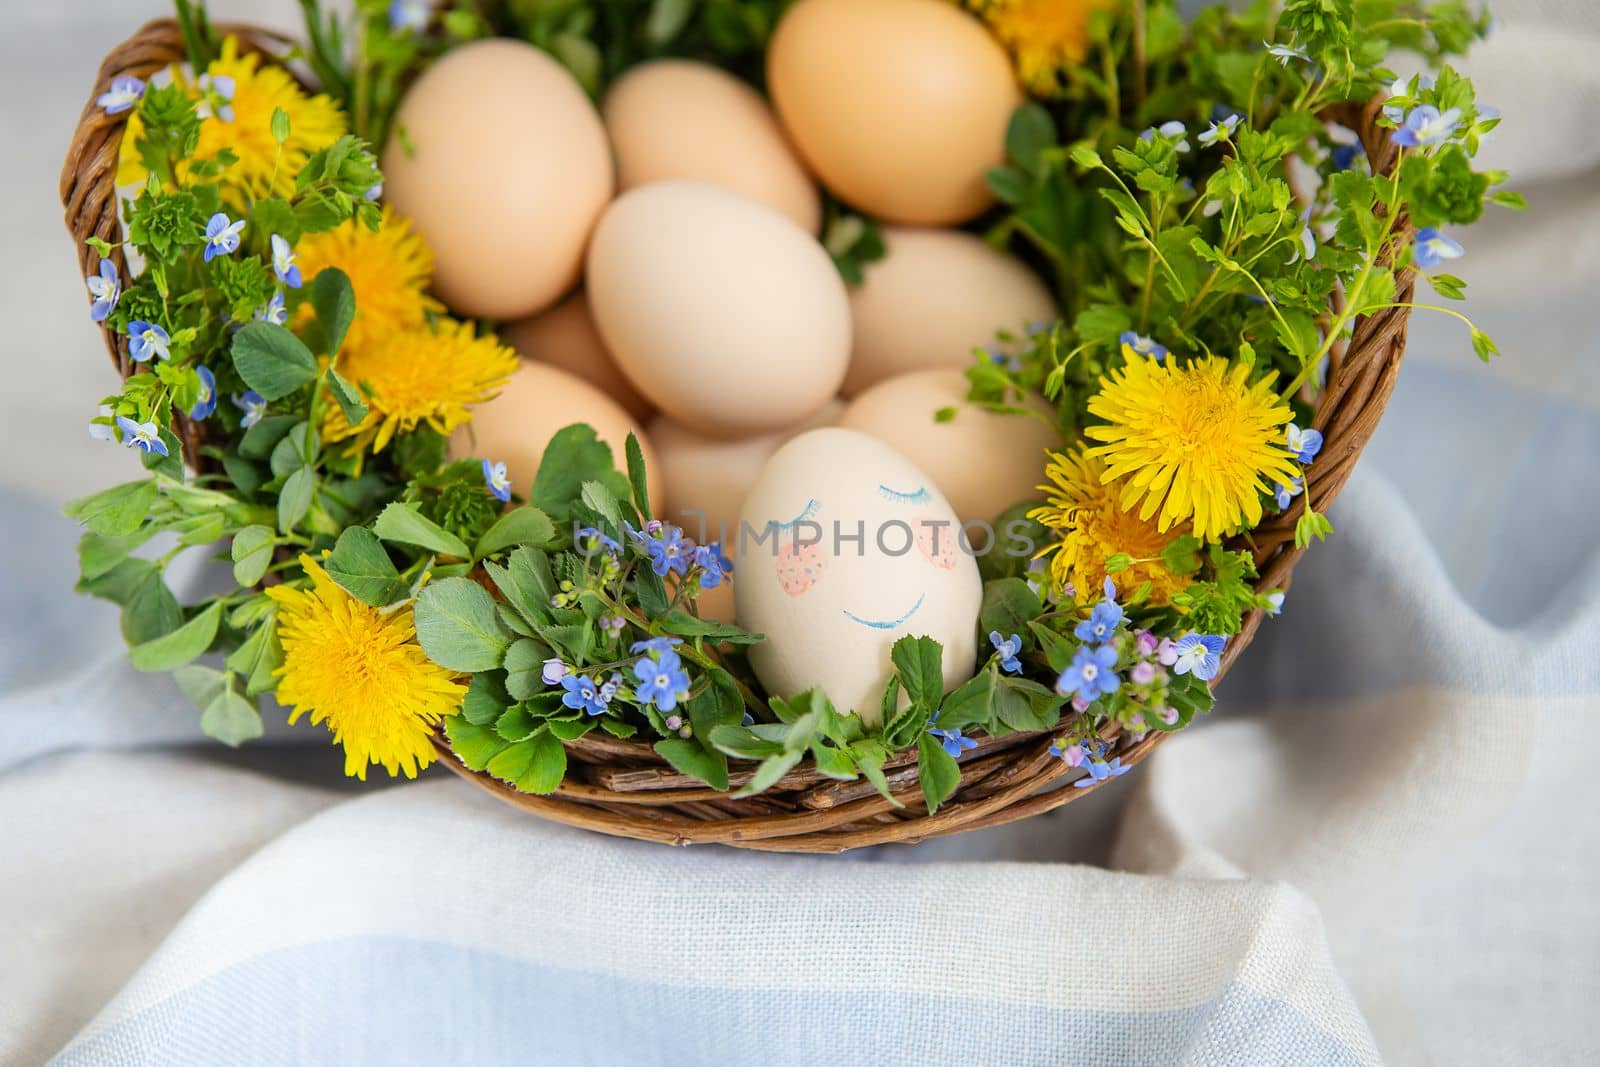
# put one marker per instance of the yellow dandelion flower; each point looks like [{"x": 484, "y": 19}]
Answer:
[
  {"x": 242, "y": 123},
  {"x": 419, "y": 377},
  {"x": 1042, "y": 35},
  {"x": 1087, "y": 513},
  {"x": 360, "y": 670},
  {"x": 389, "y": 271},
  {"x": 1198, "y": 443}
]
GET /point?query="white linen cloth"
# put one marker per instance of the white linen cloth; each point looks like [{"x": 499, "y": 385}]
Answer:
[{"x": 1380, "y": 847}]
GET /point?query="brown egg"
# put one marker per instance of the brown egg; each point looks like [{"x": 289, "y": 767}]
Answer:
[
  {"x": 515, "y": 426},
  {"x": 983, "y": 462},
  {"x": 674, "y": 118},
  {"x": 900, "y": 106},
  {"x": 501, "y": 161},
  {"x": 934, "y": 297},
  {"x": 566, "y": 337}
]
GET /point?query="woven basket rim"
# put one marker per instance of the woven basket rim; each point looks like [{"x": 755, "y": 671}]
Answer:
[{"x": 622, "y": 787}]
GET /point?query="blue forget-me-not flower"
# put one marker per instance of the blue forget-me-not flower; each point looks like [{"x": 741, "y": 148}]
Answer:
[
  {"x": 148, "y": 341},
  {"x": 494, "y": 476},
  {"x": 253, "y": 404},
  {"x": 208, "y": 394},
  {"x": 122, "y": 94},
  {"x": 222, "y": 236},
  {"x": 283, "y": 262},
  {"x": 143, "y": 435},
  {"x": 1200, "y": 655},
  {"x": 1007, "y": 650},
  {"x": 106, "y": 289},
  {"x": 1432, "y": 248}
]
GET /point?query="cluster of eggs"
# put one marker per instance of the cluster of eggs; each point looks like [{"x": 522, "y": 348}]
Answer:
[{"x": 657, "y": 263}]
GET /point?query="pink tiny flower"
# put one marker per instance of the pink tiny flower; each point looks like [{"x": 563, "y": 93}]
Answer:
[
  {"x": 1167, "y": 715},
  {"x": 1167, "y": 652},
  {"x": 1143, "y": 673},
  {"x": 1146, "y": 642},
  {"x": 1079, "y": 704}
]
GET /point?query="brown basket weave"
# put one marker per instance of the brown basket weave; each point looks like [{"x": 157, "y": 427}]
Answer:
[{"x": 622, "y": 787}]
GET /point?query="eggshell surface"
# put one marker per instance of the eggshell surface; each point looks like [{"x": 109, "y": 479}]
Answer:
[
  {"x": 832, "y": 607},
  {"x": 982, "y": 461},
  {"x": 723, "y": 312},
  {"x": 678, "y": 119},
  {"x": 504, "y": 168},
  {"x": 899, "y": 106},
  {"x": 566, "y": 337},
  {"x": 515, "y": 426},
  {"x": 934, "y": 297}
]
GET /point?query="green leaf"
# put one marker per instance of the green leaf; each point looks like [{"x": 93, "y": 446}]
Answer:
[
  {"x": 290, "y": 453},
  {"x": 666, "y": 20},
  {"x": 1025, "y": 705},
  {"x": 97, "y": 555},
  {"x": 231, "y": 718},
  {"x": 772, "y": 768},
  {"x": 200, "y": 684},
  {"x": 526, "y": 583},
  {"x": 1029, "y": 133},
  {"x": 271, "y": 360},
  {"x": 362, "y": 568},
  {"x": 182, "y": 645},
  {"x": 688, "y": 757},
  {"x": 604, "y": 503},
  {"x": 475, "y": 744},
  {"x": 683, "y": 624},
  {"x": 279, "y": 126},
  {"x": 937, "y": 772},
  {"x": 351, "y": 403},
  {"x": 524, "y": 664},
  {"x": 261, "y": 440},
  {"x": 1181, "y": 556},
  {"x": 919, "y": 661},
  {"x": 742, "y": 743},
  {"x": 117, "y": 511},
  {"x": 335, "y": 304},
  {"x": 404, "y": 524},
  {"x": 151, "y": 610},
  {"x": 458, "y": 628},
  {"x": 574, "y": 455},
  {"x": 1008, "y": 606},
  {"x": 519, "y": 526},
  {"x": 653, "y": 599},
  {"x": 294, "y": 499},
  {"x": 252, "y": 554},
  {"x": 486, "y": 700},
  {"x": 636, "y": 477},
  {"x": 1058, "y": 651},
  {"x": 517, "y": 724},
  {"x": 536, "y": 765}
]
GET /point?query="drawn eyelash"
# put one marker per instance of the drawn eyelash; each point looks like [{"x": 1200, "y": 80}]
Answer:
[
  {"x": 921, "y": 496},
  {"x": 809, "y": 511}
]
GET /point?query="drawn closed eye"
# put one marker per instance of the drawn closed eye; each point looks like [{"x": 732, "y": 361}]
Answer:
[
  {"x": 806, "y": 514},
  {"x": 920, "y": 496}
]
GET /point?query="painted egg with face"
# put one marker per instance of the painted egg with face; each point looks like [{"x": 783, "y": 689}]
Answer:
[{"x": 844, "y": 548}]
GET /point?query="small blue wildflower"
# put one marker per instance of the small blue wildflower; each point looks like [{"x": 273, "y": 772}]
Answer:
[
  {"x": 552, "y": 671},
  {"x": 1305, "y": 444},
  {"x": 582, "y": 695},
  {"x": 1285, "y": 494},
  {"x": 143, "y": 435},
  {"x": 274, "y": 312},
  {"x": 1103, "y": 620},
  {"x": 1220, "y": 130},
  {"x": 655, "y": 645},
  {"x": 669, "y": 551},
  {"x": 253, "y": 404},
  {"x": 610, "y": 687},
  {"x": 374, "y": 193},
  {"x": 1100, "y": 771},
  {"x": 1405, "y": 89},
  {"x": 1200, "y": 655},
  {"x": 1139, "y": 344},
  {"x": 1427, "y": 125},
  {"x": 714, "y": 565},
  {"x": 217, "y": 92},
  {"x": 1007, "y": 650},
  {"x": 590, "y": 540},
  {"x": 499, "y": 483},
  {"x": 952, "y": 741},
  {"x": 208, "y": 394},
  {"x": 1275, "y": 602},
  {"x": 1432, "y": 248},
  {"x": 1284, "y": 53},
  {"x": 408, "y": 16},
  {"x": 123, "y": 93},
  {"x": 613, "y": 625},
  {"x": 1344, "y": 156},
  {"x": 222, "y": 236},
  {"x": 146, "y": 340},
  {"x": 105, "y": 288},
  {"x": 662, "y": 680},
  {"x": 1091, "y": 673},
  {"x": 283, "y": 263}
]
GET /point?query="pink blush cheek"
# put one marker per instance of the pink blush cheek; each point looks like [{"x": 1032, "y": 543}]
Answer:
[
  {"x": 944, "y": 555},
  {"x": 799, "y": 567}
]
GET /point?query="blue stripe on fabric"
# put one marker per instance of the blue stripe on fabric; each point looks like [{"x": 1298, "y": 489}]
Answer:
[{"x": 396, "y": 1001}]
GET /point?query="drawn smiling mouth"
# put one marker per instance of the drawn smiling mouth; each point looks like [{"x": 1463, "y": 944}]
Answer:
[{"x": 887, "y": 624}]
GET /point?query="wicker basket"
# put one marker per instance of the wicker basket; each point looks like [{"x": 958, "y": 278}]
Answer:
[{"x": 622, "y": 787}]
